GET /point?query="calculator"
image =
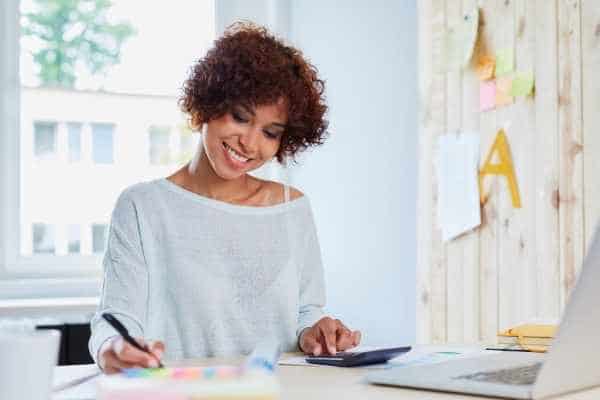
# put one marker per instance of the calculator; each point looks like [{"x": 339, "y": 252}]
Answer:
[{"x": 358, "y": 358}]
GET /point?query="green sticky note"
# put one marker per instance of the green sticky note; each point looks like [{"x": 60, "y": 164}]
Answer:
[
  {"x": 522, "y": 85},
  {"x": 504, "y": 61}
]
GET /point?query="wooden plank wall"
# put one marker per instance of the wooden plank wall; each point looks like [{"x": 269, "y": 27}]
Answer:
[{"x": 521, "y": 264}]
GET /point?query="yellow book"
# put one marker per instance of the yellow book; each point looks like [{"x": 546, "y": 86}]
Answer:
[
  {"x": 532, "y": 337},
  {"x": 527, "y": 340}
]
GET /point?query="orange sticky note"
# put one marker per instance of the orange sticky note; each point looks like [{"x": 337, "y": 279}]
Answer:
[
  {"x": 503, "y": 89},
  {"x": 485, "y": 67},
  {"x": 487, "y": 95}
]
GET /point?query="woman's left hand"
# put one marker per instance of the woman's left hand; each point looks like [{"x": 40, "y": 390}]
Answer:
[{"x": 328, "y": 336}]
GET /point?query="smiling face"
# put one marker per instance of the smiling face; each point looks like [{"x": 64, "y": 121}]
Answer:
[{"x": 244, "y": 139}]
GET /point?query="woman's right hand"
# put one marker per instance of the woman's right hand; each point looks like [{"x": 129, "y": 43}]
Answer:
[{"x": 116, "y": 354}]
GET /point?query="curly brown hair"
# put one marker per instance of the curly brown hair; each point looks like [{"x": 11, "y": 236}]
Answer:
[{"x": 249, "y": 66}]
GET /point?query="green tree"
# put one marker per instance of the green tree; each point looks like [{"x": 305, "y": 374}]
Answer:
[{"x": 72, "y": 31}]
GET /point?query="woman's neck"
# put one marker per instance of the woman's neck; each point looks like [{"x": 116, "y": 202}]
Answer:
[{"x": 199, "y": 177}]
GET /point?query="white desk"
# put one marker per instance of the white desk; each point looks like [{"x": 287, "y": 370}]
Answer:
[{"x": 301, "y": 383}]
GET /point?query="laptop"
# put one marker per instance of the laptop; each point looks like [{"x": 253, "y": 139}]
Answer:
[{"x": 572, "y": 363}]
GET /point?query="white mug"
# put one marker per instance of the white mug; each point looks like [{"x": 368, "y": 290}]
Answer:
[{"x": 27, "y": 361}]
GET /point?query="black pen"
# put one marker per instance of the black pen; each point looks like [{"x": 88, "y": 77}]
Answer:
[{"x": 115, "y": 323}]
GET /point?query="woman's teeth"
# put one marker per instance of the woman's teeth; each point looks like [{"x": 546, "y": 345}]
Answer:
[{"x": 235, "y": 155}]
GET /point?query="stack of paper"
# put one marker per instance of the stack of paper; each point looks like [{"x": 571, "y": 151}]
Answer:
[{"x": 531, "y": 337}]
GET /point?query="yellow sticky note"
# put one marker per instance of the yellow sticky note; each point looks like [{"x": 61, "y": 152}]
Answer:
[
  {"x": 504, "y": 168},
  {"x": 485, "y": 67},
  {"x": 505, "y": 61},
  {"x": 487, "y": 95},
  {"x": 522, "y": 84},
  {"x": 503, "y": 88}
]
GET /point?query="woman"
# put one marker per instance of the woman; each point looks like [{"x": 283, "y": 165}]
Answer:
[{"x": 211, "y": 259}]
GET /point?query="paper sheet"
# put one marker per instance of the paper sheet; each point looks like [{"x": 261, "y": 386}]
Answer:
[
  {"x": 75, "y": 382},
  {"x": 487, "y": 95},
  {"x": 503, "y": 89},
  {"x": 458, "y": 188},
  {"x": 460, "y": 40},
  {"x": 434, "y": 354},
  {"x": 419, "y": 355},
  {"x": 504, "y": 61},
  {"x": 522, "y": 84}
]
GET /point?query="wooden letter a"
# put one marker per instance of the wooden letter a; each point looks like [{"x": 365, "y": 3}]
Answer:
[{"x": 505, "y": 168}]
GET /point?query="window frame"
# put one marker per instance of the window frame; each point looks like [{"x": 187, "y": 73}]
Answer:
[{"x": 38, "y": 275}]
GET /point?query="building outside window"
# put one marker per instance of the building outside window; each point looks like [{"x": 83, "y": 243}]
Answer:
[
  {"x": 99, "y": 237},
  {"x": 74, "y": 239},
  {"x": 74, "y": 132},
  {"x": 102, "y": 143},
  {"x": 43, "y": 238},
  {"x": 44, "y": 140},
  {"x": 160, "y": 149}
]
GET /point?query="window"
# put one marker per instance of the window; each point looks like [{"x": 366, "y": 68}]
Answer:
[
  {"x": 171, "y": 146},
  {"x": 99, "y": 237},
  {"x": 75, "y": 107},
  {"x": 43, "y": 238},
  {"x": 74, "y": 131},
  {"x": 74, "y": 239},
  {"x": 102, "y": 143},
  {"x": 188, "y": 142},
  {"x": 45, "y": 140},
  {"x": 159, "y": 145}
]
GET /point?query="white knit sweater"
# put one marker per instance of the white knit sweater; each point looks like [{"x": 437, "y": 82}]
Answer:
[{"x": 207, "y": 277}]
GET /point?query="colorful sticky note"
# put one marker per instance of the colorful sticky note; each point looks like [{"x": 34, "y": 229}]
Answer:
[
  {"x": 522, "y": 85},
  {"x": 485, "y": 67},
  {"x": 504, "y": 61},
  {"x": 487, "y": 95},
  {"x": 503, "y": 88}
]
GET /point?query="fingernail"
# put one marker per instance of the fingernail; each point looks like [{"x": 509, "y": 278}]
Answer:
[
  {"x": 332, "y": 350},
  {"x": 317, "y": 351},
  {"x": 153, "y": 363}
]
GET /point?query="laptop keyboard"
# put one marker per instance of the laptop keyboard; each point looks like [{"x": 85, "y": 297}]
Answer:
[{"x": 511, "y": 376}]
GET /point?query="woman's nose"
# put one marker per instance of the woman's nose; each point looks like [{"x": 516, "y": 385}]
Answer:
[{"x": 250, "y": 141}]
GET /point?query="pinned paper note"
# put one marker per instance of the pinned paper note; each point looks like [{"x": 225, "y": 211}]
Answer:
[
  {"x": 504, "y": 167},
  {"x": 458, "y": 192},
  {"x": 522, "y": 84},
  {"x": 460, "y": 41},
  {"x": 503, "y": 90},
  {"x": 504, "y": 61},
  {"x": 485, "y": 67},
  {"x": 487, "y": 95}
]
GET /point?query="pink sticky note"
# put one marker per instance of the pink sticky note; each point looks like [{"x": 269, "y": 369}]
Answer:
[{"x": 487, "y": 95}]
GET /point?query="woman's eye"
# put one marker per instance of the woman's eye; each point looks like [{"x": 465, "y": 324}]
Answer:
[
  {"x": 237, "y": 117},
  {"x": 272, "y": 135}
]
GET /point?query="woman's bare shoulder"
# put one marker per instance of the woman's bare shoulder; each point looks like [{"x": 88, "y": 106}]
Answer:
[{"x": 275, "y": 191}]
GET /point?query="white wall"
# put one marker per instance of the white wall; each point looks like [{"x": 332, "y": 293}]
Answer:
[
  {"x": 274, "y": 14},
  {"x": 362, "y": 182}
]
